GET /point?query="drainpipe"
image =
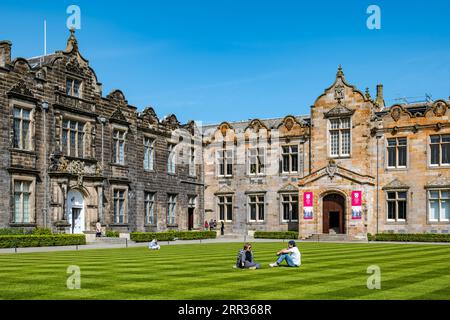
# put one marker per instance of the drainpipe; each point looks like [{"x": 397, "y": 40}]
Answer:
[
  {"x": 44, "y": 106},
  {"x": 378, "y": 137},
  {"x": 100, "y": 200}
]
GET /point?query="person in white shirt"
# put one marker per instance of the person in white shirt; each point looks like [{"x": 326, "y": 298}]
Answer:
[
  {"x": 291, "y": 255},
  {"x": 153, "y": 245}
]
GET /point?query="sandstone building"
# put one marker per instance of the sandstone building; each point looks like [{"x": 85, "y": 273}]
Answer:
[{"x": 70, "y": 157}]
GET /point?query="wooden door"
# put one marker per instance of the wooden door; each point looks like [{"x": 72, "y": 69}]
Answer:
[{"x": 333, "y": 203}]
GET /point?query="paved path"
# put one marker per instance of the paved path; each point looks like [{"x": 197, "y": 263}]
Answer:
[{"x": 179, "y": 242}]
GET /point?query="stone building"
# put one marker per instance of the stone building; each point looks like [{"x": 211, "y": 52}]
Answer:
[
  {"x": 71, "y": 157},
  {"x": 361, "y": 167},
  {"x": 353, "y": 166}
]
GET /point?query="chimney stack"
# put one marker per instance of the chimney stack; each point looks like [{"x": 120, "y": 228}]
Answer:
[
  {"x": 5, "y": 53},
  {"x": 380, "y": 99}
]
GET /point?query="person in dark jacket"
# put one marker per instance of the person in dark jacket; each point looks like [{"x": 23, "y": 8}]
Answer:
[
  {"x": 222, "y": 228},
  {"x": 245, "y": 258}
]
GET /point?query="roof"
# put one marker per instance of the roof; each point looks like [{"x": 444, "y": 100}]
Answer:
[{"x": 41, "y": 60}]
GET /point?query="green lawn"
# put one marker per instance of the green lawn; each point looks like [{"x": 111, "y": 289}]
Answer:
[{"x": 204, "y": 271}]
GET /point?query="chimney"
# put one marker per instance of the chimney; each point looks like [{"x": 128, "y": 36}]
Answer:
[
  {"x": 380, "y": 98},
  {"x": 5, "y": 53}
]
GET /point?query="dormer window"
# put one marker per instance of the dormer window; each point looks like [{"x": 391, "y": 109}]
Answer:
[
  {"x": 340, "y": 137},
  {"x": 73, "y": 87}
]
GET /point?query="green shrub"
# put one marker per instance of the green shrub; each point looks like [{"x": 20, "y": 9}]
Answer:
[
  {"x": 410, "y": 237},
  {"x": 42, "y": 231},
  {"x": 276, "y": 235},
  {"x": 14, "y": 231},
  {"x": 172, "y": 235},
  {"x": 21, "y": 241},
  {"x": 112, "y": 234}
]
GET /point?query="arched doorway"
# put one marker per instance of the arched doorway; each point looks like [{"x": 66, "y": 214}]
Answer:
[
  {"x": 75, "y": 212},
  {"x": 333, "y": 214}
]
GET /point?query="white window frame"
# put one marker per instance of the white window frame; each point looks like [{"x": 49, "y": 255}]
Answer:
[
  {"x": 149, "y": 151},
  {"x": 31, "y": 200},
  {"x": 116, "y": 209},
  {"x": 171, "y": 209},
  {"x": 440, "y": 164},
  {"x": 225, "y": 203},
  {"x": 70, "y": 90},
  {"x": 396, "y": 200},
  {"x": 68, "y": 131},
  {"x": 439, "y": 200},
  {"x": 260, "y": 165},
  {"x": 259, "y": 205},
  {"x": 25, "y": 143},
  {"x": 340, "y": 140},
  {"x": 223, "y": 157},
  {"x": 290, "y": 155},
  {"x": 150, "y": 208},
  {"x": 119, "y": 140},
  {"x": 192, "y": 166},
  {"x": 171, "y": 158},
  {"x": 290, "y": 202},
  {"x": 397, "y": 153}
]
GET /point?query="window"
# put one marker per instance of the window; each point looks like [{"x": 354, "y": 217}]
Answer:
[
  {"x": 149, "y": 152},
  {"x": 256, "y": 160},
  {"x": 397, "y": 152},
  {"x": 396, "y": 203},
  {"x": 192, "y": 171},
  {"x": 439, "y": 205},
  {"x": 149, "y": 205},
  {"x": 289, "y": 206},
  {"x": 73, "y": 87},
  {"x": 171, "y": 168},
  {"x": 290, "y": 159},
  {"x": 171, "y": 209},
  {"x": 225, "y": 207},
  {"x": 256, "y": 208},
  {"x": 22, "y": 129},
  {"x": 225, "y": 163},
  {"x": 73, "y": 138},
  {"x": 340, "y": 137},
  {"x": 22, "y": 196},
  {"x": 119, "y": 147},
  {"x": 440, "y": 150},
  {"x": 119, "y": 206}
]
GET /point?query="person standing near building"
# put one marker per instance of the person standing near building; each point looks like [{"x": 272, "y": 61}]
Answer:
[
  {"x": 211, "y": 224},
  {"x": 291, "y": 255},
  {"x": 98, "y": 229},
  {"x": 222, "y": 228},
  {"x": 206, "y": 225}
]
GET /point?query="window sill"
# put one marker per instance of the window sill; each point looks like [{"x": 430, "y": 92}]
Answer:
[
  {"x": 440, "y": 223},
  {"x": 31, "y": 152},
  {"x": 396, "y": 169},
  {"x": 393, "y": 222},
  {"x": 118, "y": 224},
  {"x": 169, "y": 225},
  {"x": 149, "y": 170},
  {"x": 150, "y": 225},
  {"x": 254, "y": 222},
  {"x": 225, "y": 177},
  {"x": 23, "y": 224},
  {"x": 119, "y": 165},
  {"x": 288, "y": 222},
  {"x": 430, "y": 167}
]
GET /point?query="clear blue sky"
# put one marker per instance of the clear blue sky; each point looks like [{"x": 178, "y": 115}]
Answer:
[{"x": 233, "y": 60}]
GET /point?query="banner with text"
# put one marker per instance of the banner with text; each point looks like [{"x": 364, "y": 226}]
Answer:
[
  {"x": 356, "y": 205},
  {"x": 307, "y": 205}
]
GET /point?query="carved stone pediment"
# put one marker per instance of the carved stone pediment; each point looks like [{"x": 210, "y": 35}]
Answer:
[
  {"x": 439, "y": 108},
  {"x": 256, "y": 125},
  {"x": 118, "y": 115},
  {"x": 288, "y": 188},
  {"x": 339, "y": 111},
  {"x": 396, "y": 184},
  {"x": 75, "y": 167},
  {"x": 171, "y": 121},
  {"x": 22, "y": 89},
  {"x": 74, "y": 66},
  {"x": 331, "y": 169},
  {"x": 439, "y": 182}
]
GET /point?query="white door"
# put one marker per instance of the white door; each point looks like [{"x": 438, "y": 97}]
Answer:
[{"x": 75, "y": 211}]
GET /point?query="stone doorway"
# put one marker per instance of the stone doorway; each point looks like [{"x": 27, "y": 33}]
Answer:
[{"x": 333, "y": 214}]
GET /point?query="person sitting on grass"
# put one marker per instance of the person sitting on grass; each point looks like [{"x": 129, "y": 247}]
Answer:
[
  {"x": 291, "y": 255},
  {"x": 153, "y": 245},
  {"x": 245, "y": 258}
]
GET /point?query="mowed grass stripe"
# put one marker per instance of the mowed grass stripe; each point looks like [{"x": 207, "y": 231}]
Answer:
[{"x": 204, "y": 271}]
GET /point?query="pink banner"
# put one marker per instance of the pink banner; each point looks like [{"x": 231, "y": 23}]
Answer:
[
  {"x": 308, "y": 198},
  {"x": 356, "y": 205}
]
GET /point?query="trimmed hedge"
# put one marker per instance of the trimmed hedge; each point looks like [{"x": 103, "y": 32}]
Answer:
[
  {"x": 112, "y": 234},
  {"x": 172, "y": 235},
  {"x": 276, "y": 235},
  {"x": 22, "y": 241},
  {"x": 410, "y": 237}
]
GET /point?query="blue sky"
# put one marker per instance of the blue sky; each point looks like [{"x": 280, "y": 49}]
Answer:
[{"x": 220, "y": 60}]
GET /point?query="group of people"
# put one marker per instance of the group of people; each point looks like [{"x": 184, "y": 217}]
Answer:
[
  {"x": 291, "y": 255},
  {"x": 212, "y": 225}
]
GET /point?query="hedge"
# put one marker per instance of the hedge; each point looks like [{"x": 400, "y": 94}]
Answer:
[
  {"x": 112, "y": 234},
  {"x": 276, "y": 235},
  {"x": 22, "y": 241},
  {"x": 410, "y": 237},
  {"x": 172, "y": 235}
]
